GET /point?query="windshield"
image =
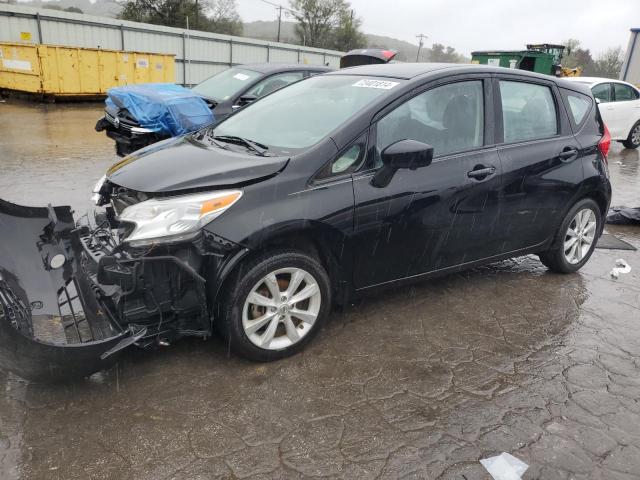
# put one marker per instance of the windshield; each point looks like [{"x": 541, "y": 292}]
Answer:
[
  {"x": 226, "y": 84},
  {"x": 304, "y": 113}
]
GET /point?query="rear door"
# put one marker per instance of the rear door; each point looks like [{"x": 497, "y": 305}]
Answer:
[
  {"x": 540, "y": 160},
  {"x": 438, "y": 216},
  {"x": 626, "y": 109}
]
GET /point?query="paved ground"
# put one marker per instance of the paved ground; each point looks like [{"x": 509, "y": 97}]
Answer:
[{"x": 419, "y": 383}]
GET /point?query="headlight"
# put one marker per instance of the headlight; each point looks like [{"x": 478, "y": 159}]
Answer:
[
  {"x": 176, "y": 218},
  {"x": 96, "y": 197}
]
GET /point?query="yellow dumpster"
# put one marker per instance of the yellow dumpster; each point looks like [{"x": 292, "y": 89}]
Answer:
[{"x": 75, "y": 72}]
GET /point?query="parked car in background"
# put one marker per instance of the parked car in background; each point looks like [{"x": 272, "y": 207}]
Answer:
[
  {"x": 223, "y": 93},
  {"x": 619, "y": 106},
  {"x": 344, "y": 184}
]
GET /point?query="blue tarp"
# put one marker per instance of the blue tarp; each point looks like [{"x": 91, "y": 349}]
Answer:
[{"x": 162, "y": 107}]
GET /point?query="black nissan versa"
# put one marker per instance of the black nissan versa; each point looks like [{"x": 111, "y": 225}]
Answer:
[{"x": 346, "y": 183}]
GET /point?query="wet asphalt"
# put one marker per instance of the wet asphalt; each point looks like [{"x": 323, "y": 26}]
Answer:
[{"x": 420, "y": 382}]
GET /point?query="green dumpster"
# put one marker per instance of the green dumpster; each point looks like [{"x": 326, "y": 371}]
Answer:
[{"x": 532, "y": 60}]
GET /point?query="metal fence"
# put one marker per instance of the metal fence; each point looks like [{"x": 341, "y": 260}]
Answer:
[{"x": 198, "y": 54}]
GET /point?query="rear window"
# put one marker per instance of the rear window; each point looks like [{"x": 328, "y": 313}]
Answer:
[{"x": 578, "y": 105}]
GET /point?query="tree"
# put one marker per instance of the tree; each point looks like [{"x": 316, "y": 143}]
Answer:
[
  {"x": 575, "y": 56},
  {"x": 347, "y": 35},
  {"x": 218, "y": 16},
  {"x": 73, "y": 10},
  {"x": 223, "y": 18},
  {"x": 319, "y": 19},
  {"x": 609, "y": 63},
  {"x": 440, "y": 53}
]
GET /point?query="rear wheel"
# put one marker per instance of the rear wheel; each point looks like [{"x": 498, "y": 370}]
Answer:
[
  {"x": 274, "y": 305},
  {"x": 633, "y": 140},
  {"x": 576, "y": 239}
]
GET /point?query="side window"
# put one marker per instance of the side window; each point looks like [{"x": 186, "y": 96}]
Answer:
[
  {"x": 528, "y": 111},
  {"x": 450, "y": 118},
  {"x": 579, "y": 106},
  {"x": 346, "y": 162},
  {"x": 624, "y": 93},
  {"x": 275, "y": 82},
  {"x": 602, "y": 92}
]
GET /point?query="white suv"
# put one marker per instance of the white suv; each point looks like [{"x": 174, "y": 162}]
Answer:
[{"x": 619, "y": 106}]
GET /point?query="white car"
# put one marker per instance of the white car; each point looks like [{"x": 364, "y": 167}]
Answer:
[{"x": 619, "y": 106}]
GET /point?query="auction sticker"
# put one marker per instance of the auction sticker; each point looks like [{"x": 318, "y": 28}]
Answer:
[
  {"x": 241, "y": 76},
  {"x": 367, "y": 83}
]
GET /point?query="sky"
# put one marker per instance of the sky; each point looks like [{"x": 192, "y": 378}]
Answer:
[{"x": 469, "y": 25}]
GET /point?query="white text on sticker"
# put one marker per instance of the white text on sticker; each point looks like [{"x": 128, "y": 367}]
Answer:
[{"x": 383, "y": 84}]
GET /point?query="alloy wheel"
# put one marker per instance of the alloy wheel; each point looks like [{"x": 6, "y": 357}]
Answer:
[
  {"x": 635, "y": 135},
  {"x": 281, "y": 308},
  {"x": 580, "y": 236}
]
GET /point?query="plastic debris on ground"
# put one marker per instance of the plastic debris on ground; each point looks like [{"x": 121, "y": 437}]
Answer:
[
  {"x": 165, "y": 108},
  {"x": 624, "y": 216},
  {"x": 621, "y": 267},
  {"x": 505, "y": 467}
]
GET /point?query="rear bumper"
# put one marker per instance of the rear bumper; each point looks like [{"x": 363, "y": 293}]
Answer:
[{"x": 72, "y": 298}]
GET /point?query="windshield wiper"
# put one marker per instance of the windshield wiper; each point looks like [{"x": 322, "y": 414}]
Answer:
[
  {"x": 206, "y": 135},
  {"x": 259, "y": 148}
]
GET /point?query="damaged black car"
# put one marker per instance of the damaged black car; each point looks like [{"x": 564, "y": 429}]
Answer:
[{"x": 347, "y": 183}]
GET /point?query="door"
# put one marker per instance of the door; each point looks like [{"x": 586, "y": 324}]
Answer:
[
  {"x": 603, "y": 92},
  {"x": 540, "y": 160},
  {"x": 437, "y": 216},
  {"x": 626, "y": 109}
]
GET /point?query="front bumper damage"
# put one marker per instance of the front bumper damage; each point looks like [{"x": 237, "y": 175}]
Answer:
[
  {"x": 128, "y": 138},
  {"x": 72, "y": 297}
]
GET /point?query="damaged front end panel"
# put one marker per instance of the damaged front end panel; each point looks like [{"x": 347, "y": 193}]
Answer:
[{"x": 72, "y": 295}]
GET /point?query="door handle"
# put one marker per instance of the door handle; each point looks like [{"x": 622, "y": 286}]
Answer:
[
  {"x": 568, "y": 153},
  {"x": 480, "y": 172}
]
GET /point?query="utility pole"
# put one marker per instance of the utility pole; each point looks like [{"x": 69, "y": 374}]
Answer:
[
  {"x": 421, "y": 37},
  {"x": 279, "y": 20}
]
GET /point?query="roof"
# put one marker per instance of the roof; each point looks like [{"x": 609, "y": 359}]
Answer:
[
  {"x": 592, "y": 80},
  {"x": 408, "y": 71},
  {"x": 268, "y": 68},
  {"x": 396, "y": 70}
]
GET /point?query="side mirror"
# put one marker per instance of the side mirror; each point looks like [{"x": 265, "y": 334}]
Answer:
[
  {"x": 244, "y": 100},
  {"x": 409, "y": 154}
]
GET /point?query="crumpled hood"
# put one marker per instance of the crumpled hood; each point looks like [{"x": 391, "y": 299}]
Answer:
[{"x": 181, "y": 164}]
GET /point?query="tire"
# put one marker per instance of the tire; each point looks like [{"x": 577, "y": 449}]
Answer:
[
  {"x": 239, "y": 316},
  {"x": 560, "y": 259},
  {"x": 633, "y": 140}
]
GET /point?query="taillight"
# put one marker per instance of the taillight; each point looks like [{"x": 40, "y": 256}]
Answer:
[{"x": 605, "y": 143}]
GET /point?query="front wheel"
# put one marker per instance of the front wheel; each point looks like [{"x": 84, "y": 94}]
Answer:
[
  {"x": 274, "y": 305},
  {"x": 576, "y": 239},
  {"x": 633, "y": 140}
]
